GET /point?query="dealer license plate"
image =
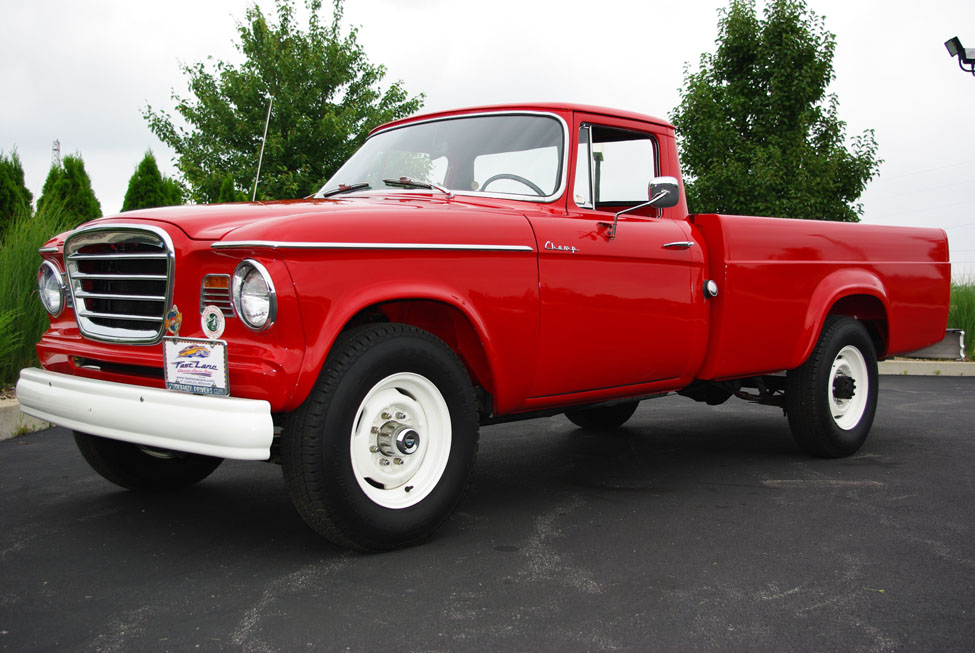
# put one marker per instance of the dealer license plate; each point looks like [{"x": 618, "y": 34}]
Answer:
[{"x": 196, "y": 365}]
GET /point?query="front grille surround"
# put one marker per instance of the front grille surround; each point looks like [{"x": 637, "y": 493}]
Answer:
[{"x": 120, "y": 279}]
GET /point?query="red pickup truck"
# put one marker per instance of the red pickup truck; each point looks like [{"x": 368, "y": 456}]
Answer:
[{"x": 462, "y": 268}]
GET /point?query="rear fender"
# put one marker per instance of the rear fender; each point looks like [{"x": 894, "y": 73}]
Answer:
[{"x": 854, "y": 292}]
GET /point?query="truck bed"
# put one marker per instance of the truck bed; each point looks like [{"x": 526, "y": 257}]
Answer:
[{"x": 768, "y": 269}]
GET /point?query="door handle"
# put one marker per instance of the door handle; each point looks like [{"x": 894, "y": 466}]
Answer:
[{"x": 681, "y": 244}]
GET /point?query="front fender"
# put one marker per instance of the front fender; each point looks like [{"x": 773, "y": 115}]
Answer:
[{"x": 497, "y": 293}]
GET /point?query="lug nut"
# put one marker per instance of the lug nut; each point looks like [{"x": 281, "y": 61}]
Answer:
[
  {"x": 400, "y": 415},
  {"x": 373, "y": 449},
  {"x": 384, "y": 462},
  {"x": 385, "y": 415},
  {"x": 374, "y": 430},
  {"x": 397, "y": 461}
]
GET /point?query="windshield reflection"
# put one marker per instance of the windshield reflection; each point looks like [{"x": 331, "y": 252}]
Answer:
[{"x": 503, "y": 154}]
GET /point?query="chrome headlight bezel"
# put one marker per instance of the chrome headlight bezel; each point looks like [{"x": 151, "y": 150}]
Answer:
[
  {"x": 48, "y": 271},
  {"x": 243, "y": 274}
]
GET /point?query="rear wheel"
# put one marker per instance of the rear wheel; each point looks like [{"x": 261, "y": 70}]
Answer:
[
  {"x": 832, "y": 398},
  {"x": 143, "y": 469},
  {"x": 602, "y": 417},
  {"x": 381, "y": 452}
]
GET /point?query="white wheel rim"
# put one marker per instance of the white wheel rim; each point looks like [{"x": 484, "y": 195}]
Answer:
[
  {"x": 389, "y": 473},
  {"x": 849, "y": 365}
]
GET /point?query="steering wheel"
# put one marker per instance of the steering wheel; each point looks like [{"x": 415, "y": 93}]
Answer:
[{"x": 518, "y": 178}]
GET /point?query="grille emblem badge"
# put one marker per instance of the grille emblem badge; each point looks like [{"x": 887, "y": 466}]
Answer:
[
  {"x": 213, "y": 322},
  {"x": 174, "y": 320}
]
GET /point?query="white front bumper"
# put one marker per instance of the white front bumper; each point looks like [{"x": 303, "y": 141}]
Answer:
[{"x": 224, "y": 427}]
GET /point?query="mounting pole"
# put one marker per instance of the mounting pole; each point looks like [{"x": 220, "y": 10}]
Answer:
[{"x": 261, "y": 156}]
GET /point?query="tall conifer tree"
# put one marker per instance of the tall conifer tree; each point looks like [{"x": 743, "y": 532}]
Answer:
[{"x": 68, "y": 189}]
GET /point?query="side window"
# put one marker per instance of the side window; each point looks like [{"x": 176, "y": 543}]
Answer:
[{"x": 623, "y": 163}]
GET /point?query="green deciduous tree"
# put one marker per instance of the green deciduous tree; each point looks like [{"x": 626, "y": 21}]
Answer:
[
  {"x": 326, "y": 99},
  {"x": 68, "y": 189},
  {"x": 757, "y": 131},
  {"x": 14, "y": 196},
  {"x": 149, "y": 188}
]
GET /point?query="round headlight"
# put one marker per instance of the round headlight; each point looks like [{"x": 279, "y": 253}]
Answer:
[
  {"x": 50, "y": 287},
  {"x": 254, "y": 297}
]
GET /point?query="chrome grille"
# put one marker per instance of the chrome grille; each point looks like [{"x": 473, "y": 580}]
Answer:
[{"x": 120, "y": 279}]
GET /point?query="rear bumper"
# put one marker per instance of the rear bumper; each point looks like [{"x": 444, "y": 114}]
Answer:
[{"x": 223, "y": 427}]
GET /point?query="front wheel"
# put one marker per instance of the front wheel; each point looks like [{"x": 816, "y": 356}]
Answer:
[
  {"x": 381, "y": 452},
  {"x": 143, "y": 469},
  {"x": 831, "y": 399}
]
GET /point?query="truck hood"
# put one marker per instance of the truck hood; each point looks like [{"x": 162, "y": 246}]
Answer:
[
  {"x": 374, "y": 218},
  {"x": 214, "y": 221}
]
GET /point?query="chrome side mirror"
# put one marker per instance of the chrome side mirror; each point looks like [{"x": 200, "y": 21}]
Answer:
[{"x": 663, "y": 193}]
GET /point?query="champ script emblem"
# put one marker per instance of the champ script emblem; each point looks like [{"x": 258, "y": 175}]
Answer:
[{"x": 561, "y": 248}]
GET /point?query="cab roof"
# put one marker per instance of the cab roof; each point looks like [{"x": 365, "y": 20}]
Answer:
[{"x": 550, "y": 107}]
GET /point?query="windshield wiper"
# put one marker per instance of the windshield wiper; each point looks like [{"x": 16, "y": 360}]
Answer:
[
  {"x": 407, "y": 182},
  {"x": 343, "y": 188}
]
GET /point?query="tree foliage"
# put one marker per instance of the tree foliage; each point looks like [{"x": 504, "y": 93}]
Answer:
[
  {"x": 229, "y": 192},
  {"x": 14, "y": 195},
  {"x": 758, "y": 133},
  {"x": 148, "y": 187},
  {"x": 68, "y": 189},
  {"x": 326, "y": 99}
]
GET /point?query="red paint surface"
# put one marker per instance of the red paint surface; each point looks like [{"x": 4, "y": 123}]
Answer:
[{"x": 578, "y": 317}]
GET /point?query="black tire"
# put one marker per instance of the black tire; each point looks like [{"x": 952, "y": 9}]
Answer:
[
  {"x": 603, "y": 417},
  {"x": 143, "y": 469},
  {"x": 390, "y": 378},
  {"x": 831, "y": 410}
]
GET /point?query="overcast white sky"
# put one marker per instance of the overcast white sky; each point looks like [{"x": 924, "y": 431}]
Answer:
[{"x": 83, "y": 71}]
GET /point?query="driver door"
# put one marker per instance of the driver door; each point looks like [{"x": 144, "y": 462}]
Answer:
[{"x": 614, "y": 311}]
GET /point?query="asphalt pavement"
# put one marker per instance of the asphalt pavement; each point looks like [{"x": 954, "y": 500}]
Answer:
[{"x": 692, "y": 528}]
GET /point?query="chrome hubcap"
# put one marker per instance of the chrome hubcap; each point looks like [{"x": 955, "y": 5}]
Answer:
[{"x": 395, "y": 438}]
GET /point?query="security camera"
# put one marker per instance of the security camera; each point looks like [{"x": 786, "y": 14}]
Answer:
[{"x": 965, "y": 56}]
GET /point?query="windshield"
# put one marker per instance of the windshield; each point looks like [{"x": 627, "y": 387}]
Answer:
[{"x": 502, "y": 154}]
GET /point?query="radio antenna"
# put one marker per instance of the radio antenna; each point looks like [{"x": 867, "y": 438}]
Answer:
[{"x": 261, "y": 156}]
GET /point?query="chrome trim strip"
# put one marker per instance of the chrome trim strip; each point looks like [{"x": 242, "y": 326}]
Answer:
[
  {"x": 283, "y": 244},
  {"x": 120, "y": 316},
  {"x": 135, "y": 298},
  {"x": 48, "y": 250},
  {"x": 110, "y": 277},
  {"x": 118, "y": 257}
]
